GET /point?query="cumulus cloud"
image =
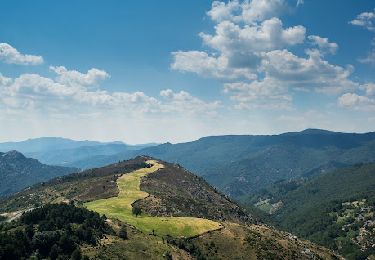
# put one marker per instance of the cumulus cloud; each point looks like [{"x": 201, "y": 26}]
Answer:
[
  {"x": 267, "y": 35},
  {"x": 362, "y": 101},
  {"x": 356, "y": 102},
  {"x": 250, "y": 52},
  {"x": 323, "y": 44},
  {"x": 75, "y": 77},
  {"x": 237, "y": 47},
  {"x": 366, "y": 20},
  {"x": 208, "y": 65},
  {"x": 184, "y": 101},
  {"x": 265, "y": 94},
  {"x": 71, "y": 90},
  {"x": 370, "y": 58},
  {"x": 311, "y": 73},
  {"x": 11, "y": 55},
  {"x": 248, "y": 11}
]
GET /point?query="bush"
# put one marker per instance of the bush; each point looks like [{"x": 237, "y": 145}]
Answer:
[
  {"x": 123, "y": 233},
  {"x": 136, "y": 211}
]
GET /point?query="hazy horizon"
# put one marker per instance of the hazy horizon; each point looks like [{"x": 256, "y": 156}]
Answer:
[{"x": 183, "y": 141}]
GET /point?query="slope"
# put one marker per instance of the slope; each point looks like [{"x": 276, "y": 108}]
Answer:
[
  {"x": 251, "y": 240},
  {"x": 335, "y": 209},
  {"x": 18, "y": 172},
  {"x": 120, "y": 207}
]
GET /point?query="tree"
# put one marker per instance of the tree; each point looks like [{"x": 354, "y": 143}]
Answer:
[
  {"x": 76, "y": 255},
  {"x": 136, "y": 211},
  {"x": 123, "y": 233},
  {"x": 54, "y": 253},
  {"x": 168, "y": 255}
]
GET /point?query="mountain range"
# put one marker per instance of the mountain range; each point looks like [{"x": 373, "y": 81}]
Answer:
[
  {"x": 67, "y": 152},
  {"x": 238, "y": 165}
]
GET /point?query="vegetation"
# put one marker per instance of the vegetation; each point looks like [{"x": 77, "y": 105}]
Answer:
[
  {"x": 52, "y": 231},
  {"x": 18, "y": 172},
  {"x": 335, "y": 209},
  {"x": 177, "y": 192},
  {"x": 83, "y": 186},
  {"x": 240, "y": 165},
  {"x": 249, "y": 242},
  {"x": 123, "y": 233},
  {"x": 120, "y": 207},
  {"x": 145, "y": 236},
  {"x": 136, "y": 211}
]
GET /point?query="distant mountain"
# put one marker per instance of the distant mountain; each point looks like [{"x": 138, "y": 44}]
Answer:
[
  {"x": 66, "y": 152},
  {"x": 239, "y": 165},
  {"x": 43, "y": 144},
  {"x": 335, "y": 209},
  {"x": 18, "y": 172}
]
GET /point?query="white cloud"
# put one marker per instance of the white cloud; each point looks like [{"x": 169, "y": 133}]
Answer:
[
  {"x": 71, "y": 91},
  {"x": 74, "y": 77},
  {"x": 10, "y": 55},
  {"x": 248, "y": 11},
  {"x": 369, "y": 89},
  {"x": 267, "y": 35},
  {"x": 370, "y": 59},
  {"x": 366, "y": 20},
  {"x": 311, "y": 73},
  {"x": 207, "y": 65},
  {"x": 265, "y": 94},
  {"x": 184, "y": 102},
  {"x": 356, "y": 102},
  {"x": 249, "y": 51},
  {"x": 239, "y": 49},
  {"x": 323, "y": 44}
]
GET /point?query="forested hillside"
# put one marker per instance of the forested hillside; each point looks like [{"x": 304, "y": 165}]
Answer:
[
  {"x": 335, "y": 209},
  {"x": 18, "y": 172}
]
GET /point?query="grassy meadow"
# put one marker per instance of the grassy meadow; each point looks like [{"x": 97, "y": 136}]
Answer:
[{"x": 120, "y": 208}]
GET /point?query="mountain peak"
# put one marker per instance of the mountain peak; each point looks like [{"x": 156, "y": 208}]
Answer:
[
  {"x": 13, "y": 154},
  {"x": 316, "y": 131}
]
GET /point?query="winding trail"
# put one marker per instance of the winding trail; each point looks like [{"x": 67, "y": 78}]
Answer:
[{"x": 120, "y": 207}]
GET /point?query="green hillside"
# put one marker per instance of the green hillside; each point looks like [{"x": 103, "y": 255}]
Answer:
[
  {"x": 121, "y": 207},
  {"x": 213, "y": 227},
  {"x": 335, "y": 209}
]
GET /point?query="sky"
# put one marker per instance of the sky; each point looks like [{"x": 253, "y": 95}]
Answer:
[{"x": 173, "y": 71}]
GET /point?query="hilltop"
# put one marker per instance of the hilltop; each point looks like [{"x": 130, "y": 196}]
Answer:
[
  {"x": 236, "y": 234},
  {"x": 18, "y": 172}
]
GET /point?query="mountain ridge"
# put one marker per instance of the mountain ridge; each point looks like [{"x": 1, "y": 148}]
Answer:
[{"x": 18, "y": 172}]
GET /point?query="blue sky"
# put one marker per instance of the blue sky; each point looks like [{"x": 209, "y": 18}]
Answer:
[{"x": 156, "y": 71}]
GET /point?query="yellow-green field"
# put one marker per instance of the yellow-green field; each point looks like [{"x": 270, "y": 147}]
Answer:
[{"x": 120, "y": 207}]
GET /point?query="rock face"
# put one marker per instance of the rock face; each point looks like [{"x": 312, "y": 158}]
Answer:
[{"x": 18, "y": 172}]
